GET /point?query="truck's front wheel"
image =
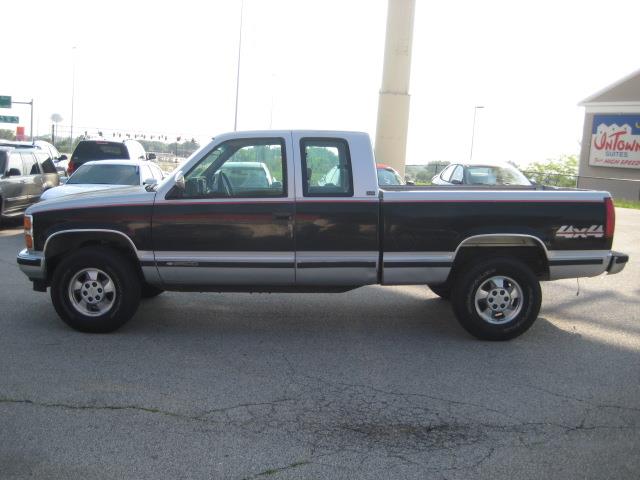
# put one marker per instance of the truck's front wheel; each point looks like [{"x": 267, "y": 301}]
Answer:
[
  {"x": 497, "y": 299},
  {"x": 95, "y": 290}
]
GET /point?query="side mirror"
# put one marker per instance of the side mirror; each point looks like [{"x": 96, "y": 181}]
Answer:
[
  {"x": 62, "y": 157},
  {"x": 151, "y": 156},
  {"x": 456, "y": 182},
  {"x": 14, "y": 172},
  {"x": 533, "y": 182},
  {"x": 276, "y": 185},
  {"x": 180, "y": 181},
  {"x": 150, "y": 181},
  {"x": 409, "y": 182}
]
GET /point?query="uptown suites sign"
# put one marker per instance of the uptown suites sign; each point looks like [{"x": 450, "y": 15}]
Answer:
[{"x": 615, "y": 141}]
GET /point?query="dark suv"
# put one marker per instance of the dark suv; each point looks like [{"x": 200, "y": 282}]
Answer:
[
  {"x": 25, "y": 174},
  {"x": 89, "y": 150}
]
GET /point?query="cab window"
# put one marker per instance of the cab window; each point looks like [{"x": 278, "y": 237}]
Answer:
[
  {"x": 326, "y": 168},
  {"x": 243, "y": 168}
]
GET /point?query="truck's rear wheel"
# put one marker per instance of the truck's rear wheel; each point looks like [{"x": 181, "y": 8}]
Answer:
[
  {"x": 95, "y": 290},
  {"x": 497, "y": 299}
]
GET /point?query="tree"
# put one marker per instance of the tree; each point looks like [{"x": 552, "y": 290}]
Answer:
[
  {"x": 6, "y": 134},
  {"x": 561, "y": 172}
]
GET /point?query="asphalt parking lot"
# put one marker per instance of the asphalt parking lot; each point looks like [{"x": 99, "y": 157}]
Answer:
[{"x": 375, "y": 383}]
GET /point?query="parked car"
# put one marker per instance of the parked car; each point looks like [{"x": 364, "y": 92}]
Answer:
[
  {"x": 25, "y": 174},
  {"x": 60, "y": 160},
  {"x": 89, "y": 150},
  {"x": 388, "y": 176},
  {"x": 481, "y": 174},
  {"x": 105, "y": 174},
  {"x": 486, "y": 249}
]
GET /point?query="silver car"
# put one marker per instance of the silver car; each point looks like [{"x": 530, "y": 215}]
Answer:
[
  {"x": 481, "y": 173},
  {"x": 105, "y": 174}
]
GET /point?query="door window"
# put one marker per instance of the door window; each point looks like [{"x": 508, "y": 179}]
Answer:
[
  {"x": 446, "y": 174},
  {"x": 14, "y": 167},
  {"x": 46, "y": 163},
  {"x": 156, "y": 172},
  {"x": 244, "y": 168},
  {"x": 145, "y": 173},
  {"x": 326, "y": 168},
  {"x": 458, "y": 175},
  {"x": 30, "y": 164}
]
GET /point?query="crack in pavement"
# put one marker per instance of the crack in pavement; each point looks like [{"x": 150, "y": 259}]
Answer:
[
  {"x": 353, "y": 422},
  {"x": 276, "y": 470}
]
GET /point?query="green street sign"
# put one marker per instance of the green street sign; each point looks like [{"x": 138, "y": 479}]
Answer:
[
  {"x": 7, "y": 119},
  {"x": 5, "y": 102}
]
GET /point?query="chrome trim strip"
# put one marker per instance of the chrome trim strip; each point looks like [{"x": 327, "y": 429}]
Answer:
[
  {"x": 336, "y": 268},
  {"x": 451, "y": 195},
  {"x": 577, "y": 254},
  {"x": 577, "y": 263},
  {"x": 501, "y": 235},
  {"x": 342, "y": 256},
  {"x": 208, "y": 276},
  {"x": 228, "y": 257},
  {"x": 414, "y": 275},
  {"x": 408, "y": 257},
  {"x": 81, "y": 230}
]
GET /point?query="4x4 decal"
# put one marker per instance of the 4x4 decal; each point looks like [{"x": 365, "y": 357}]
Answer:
[{"x": 569, "y": 231}]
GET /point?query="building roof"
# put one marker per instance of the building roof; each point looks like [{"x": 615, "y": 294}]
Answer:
[{"x": 627, "y": 89}]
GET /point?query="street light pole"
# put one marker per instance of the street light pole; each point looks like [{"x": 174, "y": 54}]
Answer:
[
  {"x": 473, "y": 130},
  {"x": 235, "y": 120},
  {"x": 73, "y": 90}
]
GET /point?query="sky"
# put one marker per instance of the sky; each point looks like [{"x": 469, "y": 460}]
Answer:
[{"x": 170, "y": 68}]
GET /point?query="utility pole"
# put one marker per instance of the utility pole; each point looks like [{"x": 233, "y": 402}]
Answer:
[
  {"x": 393, "y": 103},
  {"x": 473, "y": 129},
  {"x": 235, "y": 120},
  {"x": 73, "y": 91},
  {"x": 31, "y": 120}
]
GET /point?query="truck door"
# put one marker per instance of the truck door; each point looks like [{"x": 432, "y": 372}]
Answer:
[
  {"x": 233, "y": 222},
  {"x": 336, "y": 214}
]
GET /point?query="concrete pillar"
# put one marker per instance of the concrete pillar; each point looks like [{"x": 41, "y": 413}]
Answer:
[{"x": 393, "y": 103}]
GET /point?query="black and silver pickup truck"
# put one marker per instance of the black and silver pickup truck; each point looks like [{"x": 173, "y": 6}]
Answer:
[{"x": 301, "y": 211}]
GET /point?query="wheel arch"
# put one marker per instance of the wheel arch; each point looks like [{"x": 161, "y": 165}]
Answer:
[
  {"x": 529, "y": 249},
  {"x": 64, "y": 241}
]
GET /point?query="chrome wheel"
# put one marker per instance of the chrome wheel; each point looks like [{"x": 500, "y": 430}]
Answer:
[
  {"x": 498, "y": 300},
  {"x": 92, "y": 292}
]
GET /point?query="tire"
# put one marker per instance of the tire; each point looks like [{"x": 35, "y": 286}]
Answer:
[
  {"x": 443, "y": 290},
  {"x": 508, "y": 299},
  {"x": 91, "y": 269},
  {"x": 149, "y": 291}
]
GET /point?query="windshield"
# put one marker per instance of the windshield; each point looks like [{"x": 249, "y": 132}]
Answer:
[
  {"x": 495, "y": 175},
  {"x": 386, "y": 176},
  {"x": 104, "y": 174}
]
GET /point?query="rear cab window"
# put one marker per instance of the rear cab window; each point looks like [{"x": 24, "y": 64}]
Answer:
[
  {"x": 326, "y": 167},
  {"x": 98, "y": 150}
]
